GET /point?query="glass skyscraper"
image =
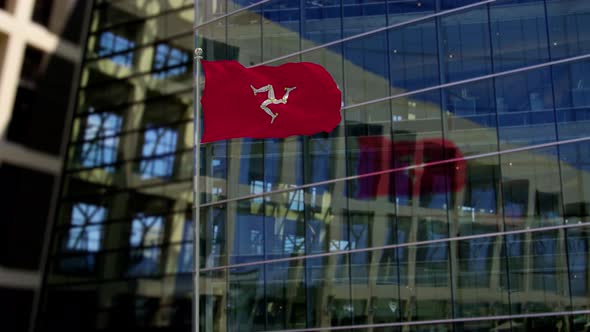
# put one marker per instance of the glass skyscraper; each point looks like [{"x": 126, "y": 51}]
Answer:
[{"x": 479, "y": 109}]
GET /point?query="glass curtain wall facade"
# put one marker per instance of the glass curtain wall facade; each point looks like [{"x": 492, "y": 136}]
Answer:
[
  {"x": 482, "y": 108},
  {"x": 494, "y": 239}
]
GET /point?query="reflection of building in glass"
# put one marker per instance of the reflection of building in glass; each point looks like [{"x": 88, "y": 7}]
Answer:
[{"x": 495, "y": 240}]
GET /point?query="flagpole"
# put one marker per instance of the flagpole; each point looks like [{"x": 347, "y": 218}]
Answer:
[{"x": 196, "y": 192}]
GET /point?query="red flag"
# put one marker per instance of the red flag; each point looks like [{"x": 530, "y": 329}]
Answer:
[{"x": 268, "y": 102}]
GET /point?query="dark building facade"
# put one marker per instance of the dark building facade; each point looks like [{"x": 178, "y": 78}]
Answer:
[
  {"x": 40, "y": 54},
  {"x": 481, "y": 108}
]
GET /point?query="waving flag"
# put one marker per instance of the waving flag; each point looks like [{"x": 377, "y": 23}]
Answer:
[{"x": 268, "y": 102}]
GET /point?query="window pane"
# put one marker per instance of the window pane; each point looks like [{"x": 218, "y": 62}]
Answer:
[
  {"x": 158, "y": 146},
  {"x": 413, "y": 57},
  {"x": 478, "y": 275},
  {"x": 465, "y": 45},
  {"x": 568, "y": 23},
  {"x": 519, "y": 34},
  {"x": 530, "y": 183},
  {"x": 572, "y": 98},
  {"x": 361, "y": 16},
  {"x": 427, "y": 295},
  {"x": 101, "y": 144},
  {"x": 244, "y": 31},
  {"x": 524, "y": 103},
  {"x": 280, "y": 28},
  {"x": 470, "y": 117},
  {"x": 537, "y": 272},
  {"x": 365, "y": 70},
  {"x": 322, "y": 22}
]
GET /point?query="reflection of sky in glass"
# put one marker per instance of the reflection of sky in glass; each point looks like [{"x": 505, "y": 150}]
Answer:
[
  {"x": 337, "y": 245},
  {"x": 146, "y": 231},
  {"x": 158, "y": 141},
  {"x": 111, "y": 43},
  {"x": 296, "y": 202},
  {"x": 166, "y": 57},
  {"x": 256, "y": 188},
  {"x": 293, "y": 243},
  {"x": 85, "y": 233},
  {"x": 99, "y": 151}
]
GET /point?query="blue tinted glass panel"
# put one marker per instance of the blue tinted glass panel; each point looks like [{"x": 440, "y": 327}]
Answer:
[
  {"x": 578, "y": 250},
  {"x": 413, "y": 57},
  {"x": 572, "y": 98},
  {"x": 366, "y": 71},
  {"x": 404, "y": 10},
  {"x": 361, "y": 16},
  {"x": 451, "y": 4},
  {"x": 471, "y": 117},
  {"x": 465, "y": 45},
  {"x": 525, "y": 108},
  {"x": 569, "y": 23},
  {"x": 519, "y": 34},
  {"x": 322, "y": 22}
]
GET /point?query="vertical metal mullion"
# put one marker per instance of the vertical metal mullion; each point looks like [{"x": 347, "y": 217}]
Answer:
[
  {"x": 500, "y": 195},
  {"x": 559, "y": 160},
  {"x": 444, "y": 132},
  {"x": 392, "y": 183}
]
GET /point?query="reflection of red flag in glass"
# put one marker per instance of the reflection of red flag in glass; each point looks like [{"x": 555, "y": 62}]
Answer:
[
  {"x": 268, "y": 102},
  {"x": 379, "y": 153},
  {"x": 375, "y": 155}
]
